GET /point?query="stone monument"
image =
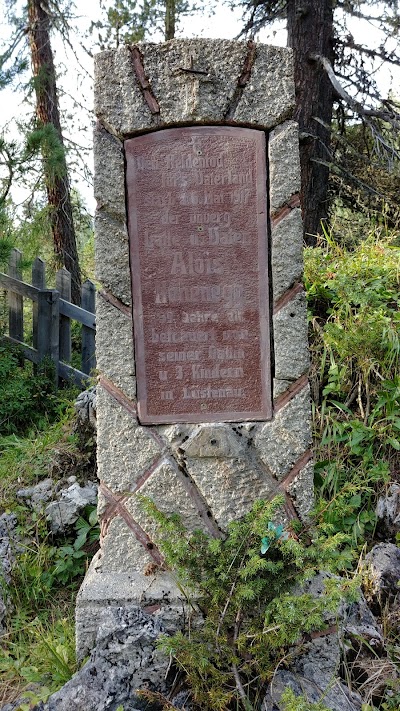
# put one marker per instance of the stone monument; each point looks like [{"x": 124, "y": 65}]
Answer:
[{"x": 203, "y": 400}]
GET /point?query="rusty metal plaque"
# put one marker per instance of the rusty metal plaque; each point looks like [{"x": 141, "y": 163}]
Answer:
[{"x": 198, "y": 246}]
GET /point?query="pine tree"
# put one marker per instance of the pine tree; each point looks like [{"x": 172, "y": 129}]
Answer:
[{"x": 326, "y": 60}]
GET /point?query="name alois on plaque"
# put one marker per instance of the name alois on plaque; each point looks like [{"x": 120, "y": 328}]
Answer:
[{"x": 198, "y": 242}]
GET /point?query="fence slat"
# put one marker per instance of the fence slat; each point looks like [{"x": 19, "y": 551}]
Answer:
[
  {"x": 88, "y": 336},
  {"x": 48, "y": 324},
  {"x": 63, "y": 285},
  {"x": 15, "y": 302},
  {"x": 38, "y": 280},
  {"x": 19, "y": 287},
  {"x": 78, "y": 314}
]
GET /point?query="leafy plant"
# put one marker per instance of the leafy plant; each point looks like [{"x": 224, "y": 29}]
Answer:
[
  {"x": 71, "y": 558},
  {"x": 252, "y": 610}
]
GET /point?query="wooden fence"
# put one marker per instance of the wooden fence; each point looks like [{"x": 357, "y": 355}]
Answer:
[{"x": 52, "y": 313}]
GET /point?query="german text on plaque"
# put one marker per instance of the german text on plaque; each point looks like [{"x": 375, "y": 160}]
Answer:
[{"x": 198, "y": 244}]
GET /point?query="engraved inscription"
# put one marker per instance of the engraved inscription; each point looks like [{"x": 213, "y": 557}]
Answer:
[{"x": 198, "y": 241}]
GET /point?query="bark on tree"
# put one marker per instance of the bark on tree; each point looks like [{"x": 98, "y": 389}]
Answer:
[
  {"x": 310, "y": 33},
  {"x": 57, "y": 186},
  {"x": 170, "y": 15}
]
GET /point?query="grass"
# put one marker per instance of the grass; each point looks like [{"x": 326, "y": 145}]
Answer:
[{"x": 354, "y": 316}]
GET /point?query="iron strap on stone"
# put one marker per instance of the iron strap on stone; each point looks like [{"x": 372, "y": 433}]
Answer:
[
  {"x": 144, "y": 83},
  {"x": 118, "y": 508},
  {"x": 117, "y": 303}
]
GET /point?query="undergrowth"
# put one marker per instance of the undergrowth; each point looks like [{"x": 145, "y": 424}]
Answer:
[
  {"x": 243, "y": 587},
  {"x": 254, "y": 622}
]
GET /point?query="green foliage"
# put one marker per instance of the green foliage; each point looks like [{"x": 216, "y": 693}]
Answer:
[
  {"x": 299, "y": 703},
  {"x": 129, "y": 22},
  {"x": 71, "y": 558},
  {"x": 252, "y": 612},
  {"x": 354, "y": 300},
  {"x": 45, "y": 138},
  {"x": 25, "y": 400}
]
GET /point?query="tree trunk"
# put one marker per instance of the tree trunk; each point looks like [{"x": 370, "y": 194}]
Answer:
[
  {"x": 310, "y": 32},
  {"x": 170, "y": 14},
  {"x": 57, "y": 185}
]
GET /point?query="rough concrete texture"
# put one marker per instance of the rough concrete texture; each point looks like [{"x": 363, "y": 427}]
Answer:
[
  {"x": 213, "y": 440},
  {"x": 126, "y": 449},
  {"x": 280, "y": 386},
  {"x": 120, "y": 551},
  {"x": 112, "y": 236},
  {"x": 166, "y": 487},
  {"x": 108, "y": 185},
  {"x": 114, "y": 346},
  {"x": 118, "y": 103},
  {"x": 299, "y": 490},
  {"x": 230, "y": 486},
  {"x": 185, "y": 97},
  {"x": 286, "y": 253},
  {"x": 292, "y": 357},
  {"x": 284, "y": 164},
  {"x": 268, "y": 98},
  {"x": 157, "y": 593},
  {"x": 280, "y": 443}
]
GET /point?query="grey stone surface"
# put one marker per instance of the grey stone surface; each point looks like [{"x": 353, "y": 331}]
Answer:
[
  {"x": 9, "y": 548},
  {"x": 126, "y": 448},
  {"x": 301, "y": 491},
  {"x": 118, "y": 102},
  {"x": 292, "y": 357},
  {"x": 85, "y": 405},
  {"x": 335, "y": 696},
  {"x": 281, "y": 442},
  {"x": 109, "y": 174},
  {"x": 284, "y": 164},
  {"x": 213, "y": 440},
  {"x": 268, "y": 98},
  {"x": 112, "y": 235},
  {"x": 120, "y": 551},
  {"x": 114, "y": 346},
  {"x": 101, "y": 589},
  {"x": 70, "y": 502},
  {"x": 124, "y": 659},
  {"x": 185, "y": 97},
  {"x": 230, "y": 486},
  {"x": 388, "y": 510},
  {"x": 38, "y": 495},
  {"x": 286, "y": 253},
  {"x": 382, "y": 569},
  {"x": 166, "y": 488},
  {"x": 280, "y": 386}
]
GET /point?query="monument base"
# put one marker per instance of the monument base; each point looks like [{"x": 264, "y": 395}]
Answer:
[{"x": 157, "y": 595}]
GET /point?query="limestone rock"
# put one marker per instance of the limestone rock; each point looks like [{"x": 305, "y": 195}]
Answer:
[
  {"x": 388, "y": 510},
  {"x": 382, "y": 565},
  {"x": 124, "y": 659},
  {"x": 65, "y": 511},
  {"x": 38, "y": 495}
]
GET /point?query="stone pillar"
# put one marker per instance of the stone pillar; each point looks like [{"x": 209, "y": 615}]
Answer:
[{"x": 210, "y": 471}]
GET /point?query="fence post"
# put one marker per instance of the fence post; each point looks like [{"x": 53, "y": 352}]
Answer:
[
  {"x": 15, "y": 301},
  {"x": 63, "y": 285},
  {"x": 88, "y": 335},
  {"x": 38, "y": 280},
  {"x": 48, "y": 325}
]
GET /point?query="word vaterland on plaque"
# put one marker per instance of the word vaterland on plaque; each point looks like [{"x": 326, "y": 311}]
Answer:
[{"x": 198, "y": 239}]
